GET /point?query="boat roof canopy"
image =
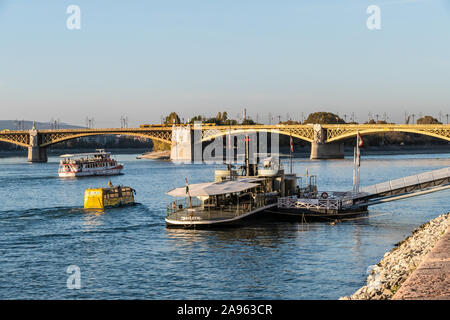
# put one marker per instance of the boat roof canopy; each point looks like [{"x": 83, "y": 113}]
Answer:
[
  {"x": 83, "y": 154},
  {"x": 212, "y": 188}
]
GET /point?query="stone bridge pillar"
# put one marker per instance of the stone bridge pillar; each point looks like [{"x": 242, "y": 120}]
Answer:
[
  {"x": 322, "y": 150},
  {"x": 36, "y": 153},
  {"x": 182, "y": 148}
]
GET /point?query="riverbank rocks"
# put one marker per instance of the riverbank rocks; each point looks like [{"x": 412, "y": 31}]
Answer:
[{"x": 387, "y": 276}]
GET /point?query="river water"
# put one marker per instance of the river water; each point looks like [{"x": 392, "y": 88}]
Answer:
[{"x": 128, "y": 253}]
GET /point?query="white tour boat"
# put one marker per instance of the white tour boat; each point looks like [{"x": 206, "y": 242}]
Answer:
[{"x": 97, "y": 163}]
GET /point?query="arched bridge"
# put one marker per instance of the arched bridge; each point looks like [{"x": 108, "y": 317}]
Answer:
[
  {"x": 327, "y": 133},
  {"x": 323, "y": 137}
]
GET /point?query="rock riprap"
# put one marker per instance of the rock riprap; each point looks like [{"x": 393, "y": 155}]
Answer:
[{"x": 387, "y": 276}]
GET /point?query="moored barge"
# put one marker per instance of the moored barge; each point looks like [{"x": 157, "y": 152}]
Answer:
[{"x": 231, "y": 198}]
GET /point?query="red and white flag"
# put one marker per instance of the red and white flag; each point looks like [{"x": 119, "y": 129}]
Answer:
[
  {"x": 292, "y": 144},
  {"x": 360, "y": 140}
]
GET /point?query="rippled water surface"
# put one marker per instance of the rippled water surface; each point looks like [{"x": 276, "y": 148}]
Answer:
[{"x": 128, "y": 252}]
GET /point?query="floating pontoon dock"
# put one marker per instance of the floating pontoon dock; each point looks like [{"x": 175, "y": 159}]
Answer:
[{"x": 346, "y": 204}]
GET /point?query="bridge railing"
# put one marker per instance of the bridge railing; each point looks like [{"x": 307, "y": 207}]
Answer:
[{"x": 409, "y": 181}]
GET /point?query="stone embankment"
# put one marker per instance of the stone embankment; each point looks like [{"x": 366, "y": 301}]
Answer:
[{"x": 396, "y": 266}]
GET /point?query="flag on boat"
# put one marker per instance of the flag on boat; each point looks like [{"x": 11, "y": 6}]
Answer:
[
  {"x": 291, "y": 143},
  {"x": 187, "y": 186},
  {"x": 360, "y": 143}
]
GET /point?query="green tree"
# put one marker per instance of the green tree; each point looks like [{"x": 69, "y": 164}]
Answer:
[
  {"x": 248, "y": 122},
  {"x": 197, "y": 118},
  {"x": 428, "y": 120},
  {"x": 324, "y": 118},
  {"x": 220, "y": 119},
  {"x": 290, "y": 122},
  {"x": 172, "y": 118}
]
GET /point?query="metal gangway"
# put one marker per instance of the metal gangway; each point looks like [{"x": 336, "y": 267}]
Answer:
[{"x": 427, "y": 182}]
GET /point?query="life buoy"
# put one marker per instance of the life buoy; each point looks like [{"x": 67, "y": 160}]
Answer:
[{"x": 324, "y": 195}]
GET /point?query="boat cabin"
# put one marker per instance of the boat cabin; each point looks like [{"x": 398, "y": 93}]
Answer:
[{"x": 111, "y": 196}]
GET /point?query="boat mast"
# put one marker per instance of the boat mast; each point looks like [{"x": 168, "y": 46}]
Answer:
[
  {"x": 187, "y": 191},
  {"x": 357, "y": 162},
  {"x": 291, "y": 149},
  {"x": 247, "y": 162}
]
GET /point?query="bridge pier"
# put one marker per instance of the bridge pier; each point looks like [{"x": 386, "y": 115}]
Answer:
[
  {"x": 182, "y": 148},
  {"x": 322, "y": 150},
  {"x": 326, "y": 151},
  {"x": 35, "y": 152}
]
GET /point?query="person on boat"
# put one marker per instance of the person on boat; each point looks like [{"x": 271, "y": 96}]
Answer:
[{"x": 110, "y": 183}]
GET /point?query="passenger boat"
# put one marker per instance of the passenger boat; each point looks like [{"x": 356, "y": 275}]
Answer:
[
  {"x": 97, "y": 163},
  {"x": 112, "y": 196},
  {"x": 231, "y": 198}
]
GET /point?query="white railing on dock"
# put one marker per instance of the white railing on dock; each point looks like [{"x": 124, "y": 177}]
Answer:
[
  {"x": 294, "y": 203},
  {"x": 409, "y": 181}
]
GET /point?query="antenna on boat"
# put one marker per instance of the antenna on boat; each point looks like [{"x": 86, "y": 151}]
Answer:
[
  {"x": 247, "y": 162},
  {"x": 187, "y": 192},
  {"x": 307, "y": 183},
  {"x": 357, "y": 161},
  {"x": 250, "y": 168},
  {"x": 291, "y": 149}
]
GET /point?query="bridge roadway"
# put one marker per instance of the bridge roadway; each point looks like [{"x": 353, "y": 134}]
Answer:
[{"x": 325, "y": 139}]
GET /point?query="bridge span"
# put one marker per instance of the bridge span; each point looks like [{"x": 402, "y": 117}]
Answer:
[{"x": 325, "y": 139}]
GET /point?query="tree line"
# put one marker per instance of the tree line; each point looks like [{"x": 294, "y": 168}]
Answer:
[{"x": 316, "y": 117}]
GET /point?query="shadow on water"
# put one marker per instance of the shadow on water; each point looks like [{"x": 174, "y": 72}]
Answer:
[
  {"x": 76, "y": 212},
  {"x": 41, "y": 213}
]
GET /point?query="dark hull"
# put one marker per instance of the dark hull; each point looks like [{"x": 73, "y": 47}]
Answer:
[
  {"x": 249, "y": 220},
  {"x": 309, "y": 215}
]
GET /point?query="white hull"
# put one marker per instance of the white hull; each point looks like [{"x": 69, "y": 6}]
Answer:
[{"x": 91, "y": 172}]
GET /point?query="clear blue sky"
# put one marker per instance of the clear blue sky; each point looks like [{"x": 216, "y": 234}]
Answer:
[{"x": 143, "y": 59}]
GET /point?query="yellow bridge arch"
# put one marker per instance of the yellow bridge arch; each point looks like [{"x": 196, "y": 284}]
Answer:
[
  {"x": 330, "y": 133},
  {"x": 49, "y": 137},
  {"x": 303, "y": 132},
  {"x": 20, "y": 138},
  {"x": 335, "y": 133}
]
